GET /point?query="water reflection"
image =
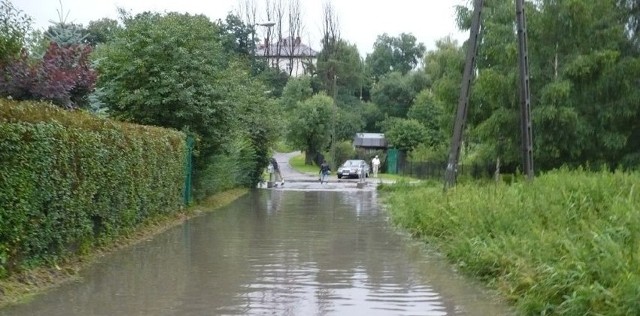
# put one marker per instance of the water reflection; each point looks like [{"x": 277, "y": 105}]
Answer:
[{"x": 272, "y": 252}]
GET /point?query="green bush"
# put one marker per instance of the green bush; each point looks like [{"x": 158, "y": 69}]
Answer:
[
  {"x": 234, "y": 168},
  {"x": 70, "y": 181},
  {"x": 565, "y": 244},
  {"x": 344, "y": 152}
]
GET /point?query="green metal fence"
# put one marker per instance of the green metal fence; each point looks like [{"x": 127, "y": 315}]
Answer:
[
  {"x": 392, "y": 161},
  {"x": 188, "y": 166}
]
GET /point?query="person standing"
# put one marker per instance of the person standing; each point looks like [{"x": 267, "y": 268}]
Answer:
[
  {"x": 375, "y": 162},
  {"x": 276, "y": 171},
  {"x": 324, "y": 171}
]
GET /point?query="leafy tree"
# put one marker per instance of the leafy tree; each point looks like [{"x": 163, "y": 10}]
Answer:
[
  {"x": 340, "y": 66},
  {"x": 64, "y": 76},
  {"x": 404, "y": 134},
  {"x": 168, "y": 70},
  {"x": 101, "y": 31},
  {"x": 237, "y": 36},
  {"x": 396, "y": 92},
  {"x": 172, "y": 70},
  {"x": 583, "y": 65},
  {"x": 427, "y": 111},
  {"x": 296, "y": 90},
  {"x": 310, "y": 126},
  {"x": 14, "y": 27},
  {"x": 394, "y": 54},
  {"x": 349, "y": 121},
  {"x": 371, "y": 116}
]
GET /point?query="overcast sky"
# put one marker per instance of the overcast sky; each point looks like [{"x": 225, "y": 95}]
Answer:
[{"x": 360, "y": 21}]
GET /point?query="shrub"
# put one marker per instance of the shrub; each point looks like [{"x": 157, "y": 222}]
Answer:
[{"x": 70, "y": 181}]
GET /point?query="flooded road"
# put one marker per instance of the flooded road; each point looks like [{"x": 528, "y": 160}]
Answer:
[{"x": 273, "y": 252}]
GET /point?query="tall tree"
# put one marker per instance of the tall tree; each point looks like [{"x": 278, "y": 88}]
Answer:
[
  {"x": 101, "y": 31},
  {"x": 401, "y": 54},
  {"x": 310, "y": 126},
  {"x": 14, "y": 27},
  {"x": 172, "y": 70},
  {"x": 396, "y": 92},
  {"x": 168, "y": 70}
]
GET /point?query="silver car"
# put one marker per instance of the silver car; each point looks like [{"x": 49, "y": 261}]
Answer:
[{"x": 353, "y": 168}]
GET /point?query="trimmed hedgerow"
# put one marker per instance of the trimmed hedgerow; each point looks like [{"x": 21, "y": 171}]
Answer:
[{"x": 70, "y": 181}]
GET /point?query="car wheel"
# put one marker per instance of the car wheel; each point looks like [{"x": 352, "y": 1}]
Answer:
[{"x": 339, "y": 176}]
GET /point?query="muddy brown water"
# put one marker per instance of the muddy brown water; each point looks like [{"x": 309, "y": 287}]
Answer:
[{"x": 301, "y": 251}]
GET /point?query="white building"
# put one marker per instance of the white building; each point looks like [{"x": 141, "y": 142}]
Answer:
[{"x": 289, "y": 55}]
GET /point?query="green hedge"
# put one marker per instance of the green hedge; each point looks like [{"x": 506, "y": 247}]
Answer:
[
  {"x": 566, "y": 244},
  {"x": 70, "y": 181}
]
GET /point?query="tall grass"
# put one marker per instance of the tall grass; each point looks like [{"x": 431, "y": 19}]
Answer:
[{"x": 566, "y": 244}]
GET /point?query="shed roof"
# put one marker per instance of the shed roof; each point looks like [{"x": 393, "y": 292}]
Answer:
[{"x": 370, "y": 140}]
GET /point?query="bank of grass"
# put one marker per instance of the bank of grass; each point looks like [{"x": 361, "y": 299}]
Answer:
[
  {"x": 566, "y": 244},
  {"x": 297, "y": 163},
  {"x": 23, "y": 286},
  {"x": 396, "y": 178}
]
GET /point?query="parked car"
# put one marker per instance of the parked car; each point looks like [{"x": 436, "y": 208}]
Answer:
[{"x": 353, "y": 168}]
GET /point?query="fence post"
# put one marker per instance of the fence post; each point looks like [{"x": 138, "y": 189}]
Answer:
[{"x": 188, "y": 166}]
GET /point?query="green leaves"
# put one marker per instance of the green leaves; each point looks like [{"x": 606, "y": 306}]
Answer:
[
  {"x": 70, "y": 180},
  {"x": 404, "y": 134},
  {"x": 311, "y": 124}
]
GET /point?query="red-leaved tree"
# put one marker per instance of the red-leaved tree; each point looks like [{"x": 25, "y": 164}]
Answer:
[{"x": 63, "y": 76}]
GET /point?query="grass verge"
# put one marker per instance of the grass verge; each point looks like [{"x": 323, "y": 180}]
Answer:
[
  {"x": 567, "y": 243},
  {"x": 297, "y": 163},
  {"x": 22, "y": 287}
]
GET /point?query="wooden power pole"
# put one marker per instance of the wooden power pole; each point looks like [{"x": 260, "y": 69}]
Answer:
[{"x": 465, "y": 89}]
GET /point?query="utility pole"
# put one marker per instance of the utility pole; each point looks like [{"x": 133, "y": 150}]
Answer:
[
  {"x": 463, "y": 101},
  {"x": 333, "y": 122},
  {"x": 525, "y": 97}
]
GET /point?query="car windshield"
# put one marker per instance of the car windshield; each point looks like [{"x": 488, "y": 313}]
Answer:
[{"x": 352, "y": 163}]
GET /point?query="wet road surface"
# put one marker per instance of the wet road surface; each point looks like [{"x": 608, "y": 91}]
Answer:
[{"x": 301, "y": 249}]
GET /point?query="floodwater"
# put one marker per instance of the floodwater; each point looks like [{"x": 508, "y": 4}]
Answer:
[{"x": 273, "y": 252}]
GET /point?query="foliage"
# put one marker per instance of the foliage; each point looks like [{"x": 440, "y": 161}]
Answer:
[
  {"x": 404, "y": 134},
  {"x": 296, "y": 90},
  {"x": 371, "y": 115},
  {"x": 64, "y": 76},
  {"x": 565, "y": 244},
  {"x": 344, "y": 151},
  {"x": 310, "y": 126},
  {"x": 430, "y": 113},
  {"x": 66, "y": 34},
  {"x": 71, "y": 181},
  {"x": 584, "y": 66},
  {"x": 101, "y": 31},
  {"x": 394, "y": 54},
  {"x": 14, "y": 28},
  {"x": 348, "y": 122},
  {"x": 395, "y": 93},
  {"x": 236, "y": 36},
  {"x": 172, "y": 70},
  {"x": 340, "y": 66}
]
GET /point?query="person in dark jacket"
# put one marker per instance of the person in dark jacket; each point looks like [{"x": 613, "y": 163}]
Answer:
[
  {"x": 324, "y": 171},
  {"x": 276, "y": 171}
]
